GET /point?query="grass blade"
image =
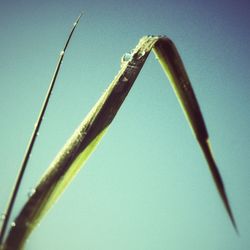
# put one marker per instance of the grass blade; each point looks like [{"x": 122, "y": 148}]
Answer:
[
  {"x": 84, "y": 140},
  {"x": 33, "y": 139},
  {"x": 172, "y": 64},
  {"x": 76, "y": 151}
]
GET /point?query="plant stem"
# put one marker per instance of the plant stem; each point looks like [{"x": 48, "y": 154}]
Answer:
[{"x": 32, "y": 140}]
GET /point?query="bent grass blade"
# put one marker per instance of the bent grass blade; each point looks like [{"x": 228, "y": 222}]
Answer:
[
  {"x": 84, "y": 140},
  {"x": 175, "y": 71}
]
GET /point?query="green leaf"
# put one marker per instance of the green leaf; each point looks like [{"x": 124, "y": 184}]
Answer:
[{"x": 84, "y": 140}]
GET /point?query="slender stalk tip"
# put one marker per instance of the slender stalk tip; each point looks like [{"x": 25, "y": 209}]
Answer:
[
  {"x": 81, "y": 14},
  {"x": 31, "y": 143}
]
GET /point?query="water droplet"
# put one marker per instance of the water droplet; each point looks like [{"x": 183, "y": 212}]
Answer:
[
  {"x": 37, "y": 133},
  {"x": 126, "y": 58},
  {"x": 13, "y": 224},
  {"x": 124, "y": 79},
  {"x": 142, "y": 54},
  {"x": 31, "y": 192},
  {"x": 62, "y": 53},
  {"x": 3, "y": 216}
]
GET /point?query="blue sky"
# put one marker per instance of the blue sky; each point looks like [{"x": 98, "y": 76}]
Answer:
[{"x": 147, "y": 186}]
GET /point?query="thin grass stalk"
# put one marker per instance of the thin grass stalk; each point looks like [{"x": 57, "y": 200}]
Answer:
[
  {"x": 32, "y": 140},
  {"x": 84, "y": 140}
]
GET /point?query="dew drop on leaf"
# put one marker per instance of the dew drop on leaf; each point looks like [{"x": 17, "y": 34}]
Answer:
[
  {"x": 142, "y": 54},
  {"x": 3, "y": 216},
  {"x": 124, "y": 79},
  {"x": 126, "y": 58},
  {"x": 31, "y": 192}
]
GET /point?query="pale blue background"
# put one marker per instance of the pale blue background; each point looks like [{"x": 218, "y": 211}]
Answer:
[{"x": 147, "y": 186}]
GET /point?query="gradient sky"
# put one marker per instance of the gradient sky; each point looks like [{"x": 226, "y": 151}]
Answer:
[{"x": 147, "y": 186}]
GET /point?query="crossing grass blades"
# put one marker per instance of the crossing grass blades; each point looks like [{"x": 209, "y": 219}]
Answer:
[{"x": 84, "y": 140}]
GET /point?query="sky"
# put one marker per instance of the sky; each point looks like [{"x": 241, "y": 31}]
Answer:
[{"x": 147, "y": 185}]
